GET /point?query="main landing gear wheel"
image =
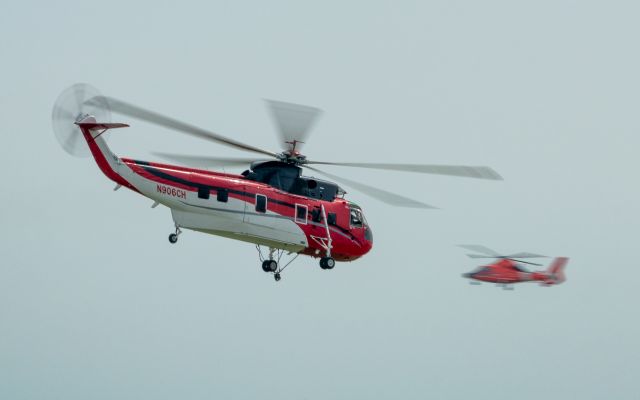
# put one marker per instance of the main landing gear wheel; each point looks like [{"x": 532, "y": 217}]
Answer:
[
  {"x": 327, "y": 263},
  {"x": 173, "y": 238},
  {"x": 271, "y": 263},
  {"x": 270, "y": 266}
]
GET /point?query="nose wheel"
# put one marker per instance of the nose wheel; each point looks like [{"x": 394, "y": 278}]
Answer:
[{"x": 327, "y": 263}]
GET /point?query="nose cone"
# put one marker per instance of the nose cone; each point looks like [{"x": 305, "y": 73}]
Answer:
[
  {"x": 468, "y": 275},
  {"x": 366, "y": 246},
  {"x": 368, "y": 235}
]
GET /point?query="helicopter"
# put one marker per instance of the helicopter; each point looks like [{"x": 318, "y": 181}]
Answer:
[
  {"x": 507, "y": 270},
  {"x": 271, "y": 204}
]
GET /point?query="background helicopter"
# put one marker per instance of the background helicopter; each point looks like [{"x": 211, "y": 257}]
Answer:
[
  {"x": 271, "y": 204},
  {"x": 507, "y": 271}
]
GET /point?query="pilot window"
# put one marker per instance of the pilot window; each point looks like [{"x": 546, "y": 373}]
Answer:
[
  {"x": 223, "y": 195},
  {"x": 301, "y": 214},
  {"x": 355, "y": 218},
  {"x": 261, "y": 203},
  {"x": 203, "y": 192}
]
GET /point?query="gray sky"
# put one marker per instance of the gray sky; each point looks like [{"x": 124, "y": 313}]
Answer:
[{"x": 96, "y": 304}]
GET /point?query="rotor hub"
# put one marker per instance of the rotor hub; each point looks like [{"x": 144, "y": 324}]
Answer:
[{"x": 292, "y": 157}]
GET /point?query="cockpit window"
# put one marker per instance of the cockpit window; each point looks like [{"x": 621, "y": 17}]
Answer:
[
  {"x": 482, "y": 270},
  {"x": 356, "y": 219},
  {"x": 521, "y": 268}
]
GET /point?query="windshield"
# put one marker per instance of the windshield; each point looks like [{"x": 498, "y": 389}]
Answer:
[{"x": 356, "y": 219}]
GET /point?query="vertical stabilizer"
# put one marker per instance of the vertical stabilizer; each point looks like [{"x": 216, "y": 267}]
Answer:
[{"x": 556, "y": 270}]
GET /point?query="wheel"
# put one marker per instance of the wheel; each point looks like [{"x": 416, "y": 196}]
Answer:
[
  {"x": 276, "y": 276},
  {"x": 327, "y": 263},
  {"x": 269, "y": 266},
  {"x": 173, "y": 238},
  {"x": 330, "y": 263}
]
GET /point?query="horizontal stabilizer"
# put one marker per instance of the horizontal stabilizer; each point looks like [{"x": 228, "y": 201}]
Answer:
[{"x": 101, "y": 125}]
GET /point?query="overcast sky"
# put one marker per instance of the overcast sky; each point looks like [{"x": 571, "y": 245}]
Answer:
[{"x": 96, "y": 304}]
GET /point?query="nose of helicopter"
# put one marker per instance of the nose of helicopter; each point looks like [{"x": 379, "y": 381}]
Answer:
[
  {"x": 467, "y": 275},
  {"x": 365, "y": 245}
]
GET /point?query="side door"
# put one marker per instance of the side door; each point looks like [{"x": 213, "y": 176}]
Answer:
[{"x": 257, "y": 210}]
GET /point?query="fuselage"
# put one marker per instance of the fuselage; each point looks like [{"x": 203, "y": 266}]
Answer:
[
  {"x": 507, "y": 272},
  {"x": 239, "y": 208}
]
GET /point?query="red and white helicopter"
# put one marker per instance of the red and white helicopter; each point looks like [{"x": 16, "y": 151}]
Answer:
[
  {"x": 507, "y": 270},
  {"x": 271, "y": 204}
]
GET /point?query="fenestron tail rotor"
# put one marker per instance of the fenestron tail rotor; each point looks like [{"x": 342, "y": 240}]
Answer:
[
  {"x": 72, "y": 106},
  {"x": 488, "y": 253}
]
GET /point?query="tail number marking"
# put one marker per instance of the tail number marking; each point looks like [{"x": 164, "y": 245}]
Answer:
[{"x": 171, "y": 191}]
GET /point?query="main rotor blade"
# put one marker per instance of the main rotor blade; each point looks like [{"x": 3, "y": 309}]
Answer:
[
  {"x": 382, "y": 195},
  {"x": 293, "y": 121},
  {"x": 523, "y": 262},
  {"x": 503, "y": 258},
  {"x": 525, "y": 255},
  {"x": 131, "y": 110},
  {"x": 480, "y": 249},
  {"x": 206, "y": 162},
  {"x": 480, "y": 256},
  {"x": 451, "y": 170}
]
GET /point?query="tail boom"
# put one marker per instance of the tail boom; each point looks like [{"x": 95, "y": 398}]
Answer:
[{"x": 106, "y": 160}]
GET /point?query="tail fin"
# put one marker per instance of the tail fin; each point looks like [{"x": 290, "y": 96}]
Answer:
[
  {"x": 107, "y": 161},
  {"x": 556, "y": 270}
]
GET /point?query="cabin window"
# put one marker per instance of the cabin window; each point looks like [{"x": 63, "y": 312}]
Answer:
[
  {"x": 332, "y": 219},
  {"x": 203, "y": 192},
  {"x": 223, "y": 195},
  {"x": 316, "y": 215},
  {"x": 301, "y": 214},
  {"x": 261, "y": 203}
]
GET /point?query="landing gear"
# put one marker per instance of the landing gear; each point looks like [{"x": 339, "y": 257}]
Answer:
[
  {"x": 271, "y": 263},
  {"x": 270, "y": 266},
  {"x": 327, "y": 263},
  {"x": 173, "y": 238},
  {"x": 505, "y": 286}
]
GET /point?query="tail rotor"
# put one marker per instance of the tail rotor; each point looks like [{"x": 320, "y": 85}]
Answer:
[
  {"x": 72, "y": 106},
  {"x": 556, "y": 270}
]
